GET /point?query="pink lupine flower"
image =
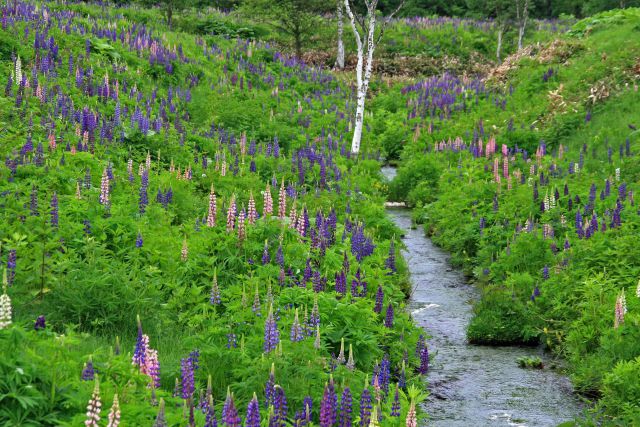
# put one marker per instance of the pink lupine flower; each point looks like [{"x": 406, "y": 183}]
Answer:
[
  {"x": 282, "y": 202},
  {"x": 412, "y": 420},
  {"x": 231, "y": 214},
  {"x": 213, "y": 210},
  {"x": 620, "y": 310},
  {"x": 184, "y": 253},
  {"x": 293, "y": 216},
  {"x": 94, "y": 407},
  {"x": 252, "y": 214},
  {"x": 114, "y": 413},
  {"x": 268, "y": 202},
  {"x": 104, "y": 188},
  {"x": 242, "y": 233}
]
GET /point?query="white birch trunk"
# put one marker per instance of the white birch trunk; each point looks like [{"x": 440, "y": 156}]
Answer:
[
  {"x": 522, "y": 17},
  {"x": 500, "y": 31},
  {"x": 340, "y": 54}
]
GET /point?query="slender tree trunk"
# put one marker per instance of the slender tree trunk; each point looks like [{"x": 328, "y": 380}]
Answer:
[
  {"x": 340, "y": 54},
  {"x": 500, "y": 32},
  {"x": 522, "y": 16}
]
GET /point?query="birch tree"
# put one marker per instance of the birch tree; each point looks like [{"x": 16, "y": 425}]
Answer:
[
  {"x": 522, "y": 14},
  {"x": 340, "y": 54},
  {"x": 364, "y": 30}
]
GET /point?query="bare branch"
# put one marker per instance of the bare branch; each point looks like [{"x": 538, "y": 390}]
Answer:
[{"x": 387, "y": 20}]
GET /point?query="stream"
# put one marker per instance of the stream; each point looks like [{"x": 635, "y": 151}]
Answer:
[{"x": 473, "y": 385}]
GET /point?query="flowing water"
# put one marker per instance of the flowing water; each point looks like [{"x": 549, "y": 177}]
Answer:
[{"x": 473, "y": 385}]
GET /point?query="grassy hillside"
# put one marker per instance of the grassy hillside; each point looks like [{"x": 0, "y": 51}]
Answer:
[
  {"x": 203, "y": 185},
  {"x": 530, "y": 178}
]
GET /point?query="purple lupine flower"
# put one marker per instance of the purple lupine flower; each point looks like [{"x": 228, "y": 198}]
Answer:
[
  {"x": 341, "y": 283},
  {"x": 232, "y": 340},
  {"x": 395, "y": 406},
  {"x": 271, "y": 332},
  {"x": 390, "y": 262},
  {"x": 253, "y": 413},
  {"x": 88, "y": 373},
  {"x": 388, "y": 320},
  {"x": 187, "y": 372},
  {"x": 545, "y": 272},
  {"x": 54, "y": 210},
  {"x": 265, "y": 254},
  {"x": 297, "y": 332},
  {"x": 346, "y": 403},
  {"x": 280, "y": 256},
  {"x": 214, "y": 297},
  {"x": 269, "y": 387},
  {"x": 424, "y": 361},
  {"x": 280, "y": 408},
  {"x": 365, "y": 407},
  {"x": 379, "y": 300},
  {"x": 329, "y": 405},
  {"x": 140, "y": 351},
  {"x": 34, "y": 202},
  {"x": 230, "y": 417},
  {"x": 384, "y": 373},
  {"x": 143, "y": 198},
  {"x": 139, "y": 240},
  {"x": 210, "y": 415},
  {"x": 11, "y": 266},
  {"x": 402, "y": 377},
  {"x": 40, "y": 323}
]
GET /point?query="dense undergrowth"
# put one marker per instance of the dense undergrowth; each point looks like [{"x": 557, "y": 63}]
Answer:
[
  {"x": 530, "y": 179},
  {"x": 203, "y": 184}
]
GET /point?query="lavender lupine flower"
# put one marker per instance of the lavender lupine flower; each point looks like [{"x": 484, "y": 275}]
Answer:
[
  {"x": 213, "y": 209},
  {"x": 545, "y": 272},
  {"x": 395, "y": 406},
  {"x": 140, "y": 350},
  {"x": 297, "y": 333},
  {"x": 94, "y": 407},
  {"x": 139, "y": 240},
  {"x": 160, "y": 418},
  {"x": 388, "y": 320},
  {"x": 104, "y": 189},
  {"x": 402, "y": 377},
  {"x": 40, "y": 323},
  {"x": 54, "y": 210},
  {"x": 269, "y": 387},
  {"x": 271, "y": 332},
  {"x": 365, "y": 407},
  {"x": 215, "y": 291},
  {"x": 114, "y": 414},
  {"x": 379, "y": 300},
  {"x": 346, "y": 404},
  {"x": 88, "y": 373},
  {"x": 253, "y": 413},
  {"x": 329, "y": 405}
]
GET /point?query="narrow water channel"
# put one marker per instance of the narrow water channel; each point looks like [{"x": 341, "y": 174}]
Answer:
[{"x": 473, "y": 385}]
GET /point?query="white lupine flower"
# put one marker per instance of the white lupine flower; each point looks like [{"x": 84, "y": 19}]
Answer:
[{"x": 5, "y": 311}]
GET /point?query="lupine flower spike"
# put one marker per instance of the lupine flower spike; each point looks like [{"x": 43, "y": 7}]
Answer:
[
  {"x": 5, "y": 304},
  {"x": 114, "y": 413},
  {"x": 341, "y": 359},
  {"x": 94, "y": 407},
  {"x": 160, "y": 418},
  {"x": 350, "y": 362}
]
